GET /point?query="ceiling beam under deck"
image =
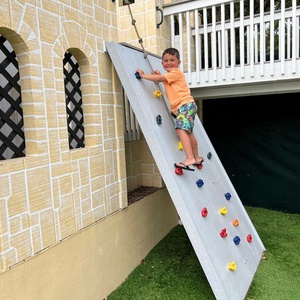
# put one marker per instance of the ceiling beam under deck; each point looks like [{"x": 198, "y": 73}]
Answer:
[{"x": 243, "y": 90}]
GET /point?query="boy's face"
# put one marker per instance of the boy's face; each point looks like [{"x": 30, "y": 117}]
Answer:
[{"x": 170, "y": 62}]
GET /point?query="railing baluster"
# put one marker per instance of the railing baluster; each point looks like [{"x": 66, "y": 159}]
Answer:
[
  {"x": 219, "y": 49},
  {"x": 248, "y": 46},
  {"x": 255, "y": 43},
  {"x": 282, "y": 38},
  {"x": 272, "y": 37},
  {"x": 172, "y": 20},
  {"x": 188, "y": 46},
  {"x": 214, "y": 43},
  {"x": 232, "y": 40},
  {"x": 288, "y": 41},
  {"x": 180, "y": 40},
  {"x": 137, "y": 128},
  {"x": 242, "y": 52},
  {"x": 251, "y": 37},
  {"x": 205, "y": 43},
  {"x": 197, "y": 45},
  {"x": 295, "y": 38},
  {"x": 127, "y": 119},
  {"x": 223, "y": 41},
  {"x": 262, "y": 47},
  {"x": 132, "y": 123},
  {"x": 226, "y": 48},
  {"x": 201, "y": 52}
]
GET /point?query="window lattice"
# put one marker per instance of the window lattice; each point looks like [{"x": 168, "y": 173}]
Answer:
[
  {"x": 73, "y": 101},
  {"x": 12, "y": 139}
]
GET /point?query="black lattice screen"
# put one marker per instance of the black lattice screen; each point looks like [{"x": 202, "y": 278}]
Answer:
[
  {"x": 73, "y": 101},
  {"x": 12, "y": 139}
]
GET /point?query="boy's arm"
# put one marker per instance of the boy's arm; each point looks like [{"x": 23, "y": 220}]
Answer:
[{"x": 156, "y": 76}]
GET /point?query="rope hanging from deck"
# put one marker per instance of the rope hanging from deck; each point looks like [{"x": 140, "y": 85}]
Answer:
[{"x": 133, "y": 22}]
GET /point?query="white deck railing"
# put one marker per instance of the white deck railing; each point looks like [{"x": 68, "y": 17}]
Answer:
[{"x": 235, "y": 42}]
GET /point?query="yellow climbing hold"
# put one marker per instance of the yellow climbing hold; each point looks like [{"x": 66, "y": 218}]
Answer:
[
  {"x": 223, "y": 211},
  {"x": 180, "y": 147},
  {"x": 157, "y": 93},
  {"x": 232, "y": 266}
]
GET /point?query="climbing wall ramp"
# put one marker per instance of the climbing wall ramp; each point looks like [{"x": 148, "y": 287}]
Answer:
[{"x": 223, "y": 237}]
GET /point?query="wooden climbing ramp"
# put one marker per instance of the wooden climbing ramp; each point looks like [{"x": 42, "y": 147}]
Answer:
[{"x": 220, "y": 230}]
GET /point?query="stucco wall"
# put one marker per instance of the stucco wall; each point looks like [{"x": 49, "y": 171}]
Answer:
[
  {"x": 64, "y": 218},
  {"x": 92, "y": 263},
  {"x": 53, "y": 192}
]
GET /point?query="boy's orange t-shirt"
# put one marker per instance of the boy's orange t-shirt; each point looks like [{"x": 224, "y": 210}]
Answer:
[{"x": 177, "y": 90}]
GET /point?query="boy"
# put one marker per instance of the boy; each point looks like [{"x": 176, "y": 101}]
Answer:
[{"x": 182, "y": 105}]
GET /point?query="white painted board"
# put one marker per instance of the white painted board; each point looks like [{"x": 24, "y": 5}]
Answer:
[{"x": 214, "y": 252}]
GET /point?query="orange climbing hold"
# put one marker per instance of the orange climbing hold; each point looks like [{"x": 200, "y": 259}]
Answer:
[{"x": 235, "y": 222}]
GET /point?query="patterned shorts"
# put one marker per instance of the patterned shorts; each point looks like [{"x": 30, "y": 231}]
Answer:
[{"x": 186, "y": 116}]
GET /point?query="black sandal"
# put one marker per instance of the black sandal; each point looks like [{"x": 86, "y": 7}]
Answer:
[{"x": 183, "y": 167}]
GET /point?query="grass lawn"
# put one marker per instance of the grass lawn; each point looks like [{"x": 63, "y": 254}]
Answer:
[{"x": 171, "y": 271}]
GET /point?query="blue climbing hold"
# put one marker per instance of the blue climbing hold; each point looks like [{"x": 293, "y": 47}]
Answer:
[
  {"x": 200, "y": 183},
  {"x": 158, "y": 119},
  {"x": 227, "y": 196},
  {"x": 137, "y": 75},
  {"x": 236, "y": 240}
]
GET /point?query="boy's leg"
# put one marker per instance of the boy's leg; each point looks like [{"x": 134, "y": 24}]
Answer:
[
  {"x": 185, "y": 139},
  {"x": 184, "y": 126},
  {"x": 194, "y": 145}
]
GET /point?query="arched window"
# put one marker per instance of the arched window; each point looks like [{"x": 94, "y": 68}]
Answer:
[
  {"x": 12, "y": 139},
  {"x": 73, "y": 101}
]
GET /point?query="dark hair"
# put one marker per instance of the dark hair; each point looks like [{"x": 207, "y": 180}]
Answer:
[{"x": 172, "y": 51}]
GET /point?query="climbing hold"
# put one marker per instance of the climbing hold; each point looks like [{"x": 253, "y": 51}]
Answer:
[
  {"x": 180, "y": 147},
  {"x": 249, "y": 238},
  {"x": 232, "y": 266},
  {"x": 178, "y": 171},
  {"x": 235, "y": 222},
  {"x": 137, "y": 75},
  {"x": 223, "y": 211},
  {"x": 223, "y": 233},
  {"x": 209, "y": 155},
  {"x": 199, "y": 165},
  {"x": 204, "y": 212},
  {"x": 236, "y": 240},
  {"x": 199, "y": 183},
  {"x": 158, "y": 119},
  {"x": 157, "y": 93},
  {"x": 227, "y": 196}
]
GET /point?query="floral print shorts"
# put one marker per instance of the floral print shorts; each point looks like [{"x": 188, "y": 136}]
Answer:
[{"x": 186, "y": 116}]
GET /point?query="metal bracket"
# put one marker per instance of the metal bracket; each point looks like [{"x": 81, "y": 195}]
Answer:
[{"x": 161, "y": 16}]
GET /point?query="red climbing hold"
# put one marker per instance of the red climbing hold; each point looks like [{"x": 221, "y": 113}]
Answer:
[
  {"x": 223, "y": 233},
  {"x": 178, "y": 171},
  {"x": 204, "y": 212},
  {"x": 249, "y": 238}
]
